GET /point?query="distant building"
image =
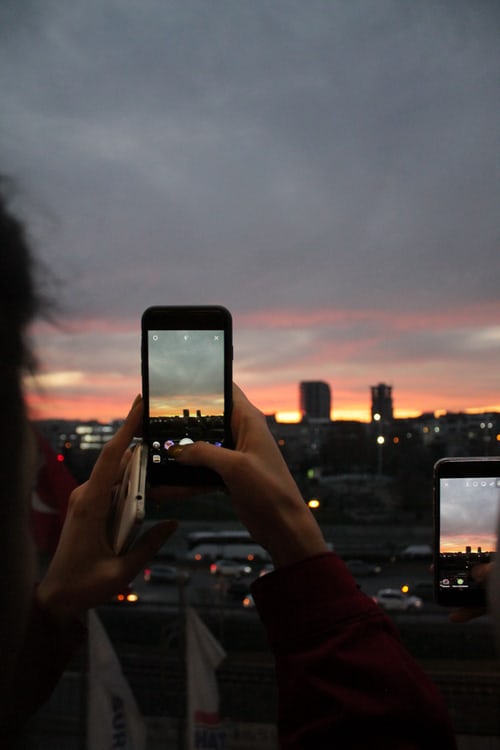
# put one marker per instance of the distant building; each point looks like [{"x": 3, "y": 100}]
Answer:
[
  {"x": 382, "y": 403},
  {"x": 315, "y": 401}
]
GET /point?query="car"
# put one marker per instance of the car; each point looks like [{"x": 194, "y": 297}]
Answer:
[
  {"x": 396, "y": 601},
  {"x": 203, "y": 553},
  {"x": 267, "y": 568},
  {"x": 240, "y": 585},
  {"x": 416, "y": 552},
  {"x": 161, "y": 573},
  {"x": 423, "y": 589},
  {"x": 230, "y": 568},
  {"x": 126, "y": 596},
  {"x": 362, "y": 568},
  {"x": 249, "y": 552}
]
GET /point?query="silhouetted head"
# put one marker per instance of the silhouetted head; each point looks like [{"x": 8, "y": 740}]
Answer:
[{"x": 19, "y": 303}]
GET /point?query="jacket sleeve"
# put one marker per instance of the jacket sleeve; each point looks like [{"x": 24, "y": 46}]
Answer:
[
  {"x": 46, "y": 649},
  {"x": 344, "y": 677}
]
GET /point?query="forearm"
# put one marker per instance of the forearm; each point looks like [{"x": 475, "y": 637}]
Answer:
[{"x": 343, "y": 674}]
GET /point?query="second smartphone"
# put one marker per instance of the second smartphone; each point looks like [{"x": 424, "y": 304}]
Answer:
[
  {"x": 466, "y": 506},
  {"x": 187, "y": 376}
]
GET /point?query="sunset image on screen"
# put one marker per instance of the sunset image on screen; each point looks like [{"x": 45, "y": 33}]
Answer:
[
  {"x": 186, "y": 373},
  {"x": 469, "y": 509}
]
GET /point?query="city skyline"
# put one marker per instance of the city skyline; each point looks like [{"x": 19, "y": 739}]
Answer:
[
  {"x": 486, "y": 541},
  {"x": 208, "y": 405},
  {"x": 326, "y": 171},
  {"x": 42, "y": 406}
]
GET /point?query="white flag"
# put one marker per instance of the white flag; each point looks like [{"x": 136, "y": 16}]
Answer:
[
  {"x": 204, "y": 654},
  {"x": 113, "y": 719}
]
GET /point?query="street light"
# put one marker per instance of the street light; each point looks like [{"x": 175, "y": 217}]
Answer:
[{"x": 380, "y": 443}]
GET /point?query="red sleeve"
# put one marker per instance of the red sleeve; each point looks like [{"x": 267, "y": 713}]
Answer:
[
  {"x": 344, "y": 677},
  {"x": 44, "y": 654}
]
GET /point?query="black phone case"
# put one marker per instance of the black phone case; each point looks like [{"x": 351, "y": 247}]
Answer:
[
  {"x": 456, "y": 570},
  {"x": 196, "y": 318}
]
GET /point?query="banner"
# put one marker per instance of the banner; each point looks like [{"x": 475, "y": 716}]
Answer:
[
  {"x": 113, "y": 719},
  {"x": 203, "y": 654}
]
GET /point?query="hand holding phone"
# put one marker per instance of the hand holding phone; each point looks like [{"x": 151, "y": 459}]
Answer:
[
  {"x": 263, "y": 493},
  {"x": 466, "y": 506},
  {"x": 128, "y": 508},
  {"x": 186, "y": 355}
]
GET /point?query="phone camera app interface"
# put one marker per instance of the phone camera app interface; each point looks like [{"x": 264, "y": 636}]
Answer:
[
  {"x": 469, "y": 508},
  {"x": 186, "y": 389}
]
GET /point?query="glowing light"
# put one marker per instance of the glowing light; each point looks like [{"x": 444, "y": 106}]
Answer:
[
  {"x": 314, "y": 503},
  {"x": 288, "y": 417}
]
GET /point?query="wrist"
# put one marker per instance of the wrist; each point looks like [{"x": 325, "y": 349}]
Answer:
[
  {"x": 56, "y": 605},
  {"x": 297, "y": 541}
]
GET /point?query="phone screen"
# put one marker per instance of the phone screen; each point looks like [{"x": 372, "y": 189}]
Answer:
[
  {"x": 468, "y": 508},
  {"x": 186, "y": 388},
  {"x": 187, "y": 384}
]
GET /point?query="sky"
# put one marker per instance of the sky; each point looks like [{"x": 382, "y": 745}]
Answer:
[{"x": 326, "y": 169}]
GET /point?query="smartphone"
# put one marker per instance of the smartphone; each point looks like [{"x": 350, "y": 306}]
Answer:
[
  {"x": 466, "y": 506},
  {"x": 187, "y": 356},
  {"x": 128, "y": 508}
]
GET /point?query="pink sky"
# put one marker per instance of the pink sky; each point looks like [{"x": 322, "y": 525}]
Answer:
[
  {"x": 316, "y": 172},
  {"x": 447, "y": 361}
]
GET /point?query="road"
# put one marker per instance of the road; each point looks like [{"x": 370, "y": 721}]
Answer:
[
  {"x": 427, "y": 632},
  {"x": 206, "y": 589}
]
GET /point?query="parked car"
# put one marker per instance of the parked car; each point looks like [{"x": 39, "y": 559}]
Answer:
[
  {"x": 395, "y": 601},
  {"x": 362, "y": 568},
  {"x": 161, "y": 573},
  {"x": 230, "y": 568}
]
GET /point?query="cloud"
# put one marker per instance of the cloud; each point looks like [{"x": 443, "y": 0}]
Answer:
[
  {"x": 332, "y": 163},
  {"x": 274, "y": 350}
]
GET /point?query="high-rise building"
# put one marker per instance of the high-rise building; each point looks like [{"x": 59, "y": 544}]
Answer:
[
  {"x": 315, "y": 401},
  {"x": 382, "y": 403}
]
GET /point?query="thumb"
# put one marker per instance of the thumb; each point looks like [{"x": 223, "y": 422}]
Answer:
[{"x": 148, "y": 545}]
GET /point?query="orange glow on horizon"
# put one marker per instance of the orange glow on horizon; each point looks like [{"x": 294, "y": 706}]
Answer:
[
  {"x": 487, "y": 542},
  {"x": 288, "y": 417},
  {"x": 103, "y": 388},
  {"x": 107, "y": 406},
  {"x": 84, "y": 408}
]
